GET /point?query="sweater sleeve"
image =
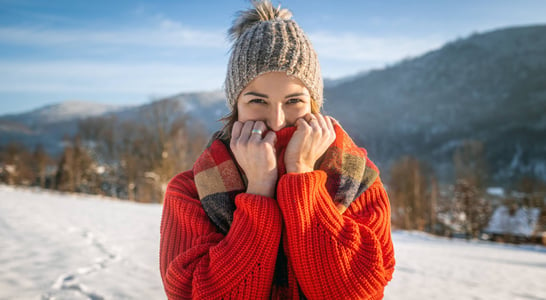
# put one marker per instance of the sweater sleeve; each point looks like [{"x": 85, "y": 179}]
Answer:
[
  {"x": 336, "y": 256},
  {"x": 198, "y": 262}
]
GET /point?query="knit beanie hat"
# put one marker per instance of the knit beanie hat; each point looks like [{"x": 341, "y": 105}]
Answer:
[{"x": 265, "y": 39}]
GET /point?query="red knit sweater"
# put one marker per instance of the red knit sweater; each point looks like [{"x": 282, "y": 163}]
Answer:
[{"x": 330, "y": 256}]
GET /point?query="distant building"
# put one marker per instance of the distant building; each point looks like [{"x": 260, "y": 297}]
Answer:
[{"x": 516, "y": 224}]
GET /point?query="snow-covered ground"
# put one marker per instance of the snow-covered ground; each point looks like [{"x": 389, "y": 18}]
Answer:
[
  {"x": 60, "y": 246},
  {"x": 429, "y": 267}
]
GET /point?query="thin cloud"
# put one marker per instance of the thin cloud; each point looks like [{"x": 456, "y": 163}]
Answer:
[
  {"x": 166, "y": 33},
  {"x": 356, "y": 48},
  {"x": 110, "y": 66},
  {"x": 83, "y": 76}
]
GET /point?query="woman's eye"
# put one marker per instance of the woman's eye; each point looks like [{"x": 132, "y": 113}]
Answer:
[
  {"x": 259, "y": 101},
  {"x": 294, "y": 100}
]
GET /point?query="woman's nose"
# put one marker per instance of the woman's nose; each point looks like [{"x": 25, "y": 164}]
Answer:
[{"x": 276, "y": 119}]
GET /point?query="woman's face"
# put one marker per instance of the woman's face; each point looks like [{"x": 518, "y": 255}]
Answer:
[{"x": 275, "y": 98}]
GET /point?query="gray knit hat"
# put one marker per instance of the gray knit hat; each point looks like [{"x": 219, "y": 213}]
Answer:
[{"x": 265, "y": 39}]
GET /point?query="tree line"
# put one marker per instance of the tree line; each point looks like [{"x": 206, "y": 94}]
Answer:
[
  {"x": 461, "y": 208},
  {"x": 134, "y": 159},
  {"x": 126, "y": 158}
]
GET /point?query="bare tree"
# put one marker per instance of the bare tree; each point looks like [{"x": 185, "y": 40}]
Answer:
[
  {"x": 171, "y": 145},
  {"x": 408, "y": 193},
  {"x": 470, "y": 210},
  {"x": 40, "y": 161},
  {"x": 16, "y": 161},
  {"x": 101, "y": 132},
  {"x": 75, "y": 168},
  {"x": 140, "y": 156},
  {"x": 470, "y": 164},
  {"x": 434, "y": 195},
  {"x": 132, "y": 149}
]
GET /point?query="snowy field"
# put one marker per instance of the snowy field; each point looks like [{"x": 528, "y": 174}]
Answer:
[{"x": 59, "y": 246}]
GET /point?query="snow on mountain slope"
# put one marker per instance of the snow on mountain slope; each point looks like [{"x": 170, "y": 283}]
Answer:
[
  {"x": 73, "y": 109},
  {"x": 489, "y": 87},
  {"x": 61, "y": 112},
  {"x": 49, "y": 125},
  {"x": 65, "y": 246}
]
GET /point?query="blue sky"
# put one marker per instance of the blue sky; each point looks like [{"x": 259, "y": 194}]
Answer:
[{"x": 130, "y": 52}]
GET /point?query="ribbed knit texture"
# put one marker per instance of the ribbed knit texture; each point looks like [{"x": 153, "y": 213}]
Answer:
[
  {"x": 270, "y": 43},
  {"x": 330, "y": 255}
]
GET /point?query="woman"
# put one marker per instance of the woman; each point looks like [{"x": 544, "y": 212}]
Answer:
[{"x": 281, "y": 204}]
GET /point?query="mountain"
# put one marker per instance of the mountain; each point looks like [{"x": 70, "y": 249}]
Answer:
[
  {"x": 207, "y": 107},
  {"x": 48, "y": 125},
  {"x": 204, "y": 108},
  {"x": 490, "y": 87}
]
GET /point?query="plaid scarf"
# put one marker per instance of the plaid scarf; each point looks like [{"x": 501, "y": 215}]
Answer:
[{"x": 219, "y": 179}]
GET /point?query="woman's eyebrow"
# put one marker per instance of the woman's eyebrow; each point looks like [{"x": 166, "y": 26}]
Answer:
[
  {"x": 296, "y": 95},
  {"x": 256, "y": 94}
]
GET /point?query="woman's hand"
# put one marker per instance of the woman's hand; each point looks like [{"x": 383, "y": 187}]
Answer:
[
  {"x": 256, "y": 156},
  {"x": 314, "y": 134}
]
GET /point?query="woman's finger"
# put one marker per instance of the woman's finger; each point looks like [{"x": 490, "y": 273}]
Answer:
[
  {"x": 257, "y": 131},
  {"x": 331, "y": 129},
  {"x": 235, "y": 134},
  {"x": 321, "y": 121},
  {"x": 246, "y": 131},
  {"x": 270, "y": 138},
  {"x": 236, "y": 130},
  {"x": 308, "y": 117},
  {"x": 334, "y": 121},
  {"x": 314, "y": 123},
  {"x": 329, "y": 123},
  {"x": 302, "y": 123}
]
